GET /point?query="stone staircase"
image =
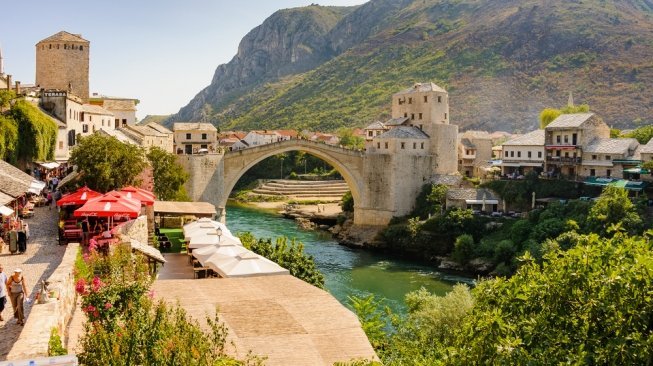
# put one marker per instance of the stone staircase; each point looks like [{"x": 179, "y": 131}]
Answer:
[{"x": 302, "y": 189}]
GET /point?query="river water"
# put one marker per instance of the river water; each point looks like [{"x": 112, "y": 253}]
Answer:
[{"x": 347, "y": 271}]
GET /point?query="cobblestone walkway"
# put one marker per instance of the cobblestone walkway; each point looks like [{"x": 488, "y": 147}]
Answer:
[{"x": 43, "y": 256}]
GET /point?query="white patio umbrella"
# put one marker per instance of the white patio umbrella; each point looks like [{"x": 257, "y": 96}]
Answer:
[
  {"x": 217, "y": 252},
  {"x": 245, "y": 265},
  {"x": 205, "y": 222},
  {"x": 201, "y": 230},
  {"x": 207, "y": 239}
]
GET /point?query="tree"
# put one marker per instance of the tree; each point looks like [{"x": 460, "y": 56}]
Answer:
[
  {"x": 169, "y": 176},
  {"x": 5, "y": 97},
  {"x": 648, "y": 165},
  {"x": 589, "y": 305},
  {"x": 463, "y": 249},
  {"x": 438, "y": 196},
  {"x": 548, "y": 115},
  {"x": 347, "y": 139},
  {"x": 643, "y": 134},
  {"x": 614, "y": 207},
  {"x": 347, "y": 202},
  {"x": 107, "y": 163}
]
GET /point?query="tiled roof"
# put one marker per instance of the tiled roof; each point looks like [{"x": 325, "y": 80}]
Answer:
[
  {"x": 396, "y": 121},
  {"x": 404, "y": 132},
  {"x": 13, "y": 181},
  {"x": 570, "y": 120},
  {"x": 610, "y": 146},
  {"x": 158, "y": 127},
  {"x": 471, "y": 194},
  {"x": 377, "y": 125},
  {"x": 648, "y": 148},
  {"x": 119, "y": 104},
  {"x": 476, "y": 134},
  {"x": 447, "y": 179},
  {"x": 4, "y": 199},
  {"x": 187, "y": 126},
  {"x": 467, "y": 143},
  {"x": 533, "y": 138},
  {"x": 120, "y": 135},
  {"x": 64, "y": 36},
  {"x": 95, "y": 109},
  {"x": 149, "y": 130},
  {"x": 422, "y": 87},
  {"x": 291, "y": 133}
]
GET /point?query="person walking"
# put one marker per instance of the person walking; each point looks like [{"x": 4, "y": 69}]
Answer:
[
  {"x": 3, "y": 291},
  {"x": 17, "y": 287}
]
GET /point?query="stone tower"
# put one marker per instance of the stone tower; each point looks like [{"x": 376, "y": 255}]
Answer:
[
  {"x": 427, "y": 107},
  {"x": 2, "y": 64},
  {"x": 62, "y": 62}
]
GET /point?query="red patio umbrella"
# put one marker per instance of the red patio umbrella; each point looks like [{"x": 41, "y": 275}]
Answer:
[
  {"x": 109, "y": 205},
  {"x": 144, "y": 196},
  {"x": 78, "y": 197}
]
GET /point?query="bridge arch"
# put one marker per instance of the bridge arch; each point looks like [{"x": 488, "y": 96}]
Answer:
[{"x": 349, "y": 163}]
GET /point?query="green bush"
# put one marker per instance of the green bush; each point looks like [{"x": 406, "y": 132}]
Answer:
[
  {"x": 347, "y": 203},
  {"x": 504, "y": 251},
  {"x": 55, "y": 347},
  {"x": 463, "y": 249},
  {"x": 547, "y": 229},
  {"x": 37, "y": 133}
]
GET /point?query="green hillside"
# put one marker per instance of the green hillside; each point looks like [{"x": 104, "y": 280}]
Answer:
[{"x": 502, "y": 62}]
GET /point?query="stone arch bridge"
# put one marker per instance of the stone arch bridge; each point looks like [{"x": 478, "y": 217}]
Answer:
[{"x": 382, "y": 186}]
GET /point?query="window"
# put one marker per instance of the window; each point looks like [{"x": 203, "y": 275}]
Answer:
[
  {"x": 57, "y": 46},
  {"x": 65, "y": 47},
  {"x": 70, "y": 113},
  {"x": 414, "y": 145},
  {"x": 50, "y": 46},
  {"x": 566, "y": 154},
  {"x": 439, "y": 99},
  {"x": 608, "y": 173},
  {"x": 529, "y": 154},
  {"x": 378, "y": 145},
  {"x": 386, "y": 145},
  {"x": 539, "y": 154},
  {"x": 60, "y": 144},
  {"x": 557, "y": 139},
  {"x": 592, "y": 172},
  {"x": 519, "y": 154},
  {"x": 204, "y": 146},
  {"x": 593, "y": 157},
  {"x": 188, "y": 136},
  {"x": 558, "y": 153},
  {"x": 403, "y": 145},
  {"x": 566, "y": 139},
  {"x": 405, "y": 114},
  {"x": 124, "y": 122},
  {"x": 420, "y": 116},
  {"x": 445, "y": 116},
  {"x": 81, "y": 48},
  {"x": 84, "y": 128},
  {"x": 370, "y": 133},
  {"x": 410, "y": 100},
  {"x": 608, "y": 157},
  {"x": 102, "y": 123},
  {"x": 203, "y": 136},
  {"x": 412, "y": 116},
  {"x": 512, "y": 154},
  {"x": 422, "y": 144},
  {"x": 421, "y": 127},
  {"x": 90, "y": 118},
  {"x": 426, "y": 99},
  {"x": 506, "y": 153}
]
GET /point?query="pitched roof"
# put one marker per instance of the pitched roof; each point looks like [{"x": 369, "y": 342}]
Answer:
[
  {"x": 158, "y": 127},
  {"x": 570, "y": 120},
  {"x": 648, "y": 148},
  {"x": 422, "y": 87},
  {"x": 533, "y": 138},
  {"x": 4, "y": 198},
  {"x": 404, "y": 132},
  {"x": 95, "y": 109},
  {"x": 13, "y": 181},
  {"x": 471, "y": 194},
  {"x": 376, "y": 125},
  {"x": 396, "y": 121},
  {"x": 186, "y": 126},
  {"x": 291, "y": 133},
  {"x": 120, "y": 104},
  {"x": 148, "y": 130},
  {"x": 467, "y": 143},
  {"x": 120, "y": 135},
  {"x": 610, "y": 146},
  {"x": 64, "y": 36}
]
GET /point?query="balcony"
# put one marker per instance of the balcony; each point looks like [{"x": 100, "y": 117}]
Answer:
[{"x": 563, "y": 160}]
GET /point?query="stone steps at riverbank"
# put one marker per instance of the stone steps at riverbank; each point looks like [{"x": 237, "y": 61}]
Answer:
[{"x": 331, "y": 189}]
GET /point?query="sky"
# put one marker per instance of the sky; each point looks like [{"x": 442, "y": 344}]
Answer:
[{"x": 161, "y": 52}]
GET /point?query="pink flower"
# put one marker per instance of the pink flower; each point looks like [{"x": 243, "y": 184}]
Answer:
[
  {"x": 92, "y": 245},
  {"x": 86, "y": 257},
  {"x": 108, "y": 306},
  {"x": 80, "y": 286},
  {"x": 150, "y": 294},
  {"x": 89, "y": 309},
  {"x": 96, "y": 314},
  {"x": 97, "y": 283}
]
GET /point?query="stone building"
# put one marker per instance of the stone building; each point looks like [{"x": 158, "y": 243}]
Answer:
[
  {"x": 191, "y": 137},
  {"x": 564, "y": 140},
  {"x": 474, "y": 153},
  {"x": 523, "y": 154},
  {"x": 94, "y": 118},
  {"x": 646, "y": 154},
  {"x": 608, "y": 157},
  {"x": 123, "y": 109},
  {"x": 62, "y": 63},
  {"x": 151, "y": 134}
]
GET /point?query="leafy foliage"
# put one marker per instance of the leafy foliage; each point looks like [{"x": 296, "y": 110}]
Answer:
[
  {"x": 548, "y": 115},
  {"x": 8, "y": 138},
  {"x": 37, "y": 133},
  {"x": 347, "y": 139},
  {"x": 463, "y": 249},
  {"x": 614, "y": 208},
  {"x": 169, "y": 177},
  {"x": 55, "y": 346},
  {"x": 289, "y": 256},
  {"x": 643, "y": 134},
  {"x": 372, "y": 319},
  {"x": 107, "y": 163},
  {"x": 5, "y": 97},
  {"x": 347, "y": 202}
]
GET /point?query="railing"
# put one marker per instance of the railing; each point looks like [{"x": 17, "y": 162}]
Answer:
[{"x": 563, "y": 160}]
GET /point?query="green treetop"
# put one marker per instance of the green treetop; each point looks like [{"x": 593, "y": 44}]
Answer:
[{"x": 548, "y": 115}]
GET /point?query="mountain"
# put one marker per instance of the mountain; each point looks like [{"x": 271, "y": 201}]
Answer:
[{"x": 502, "y": 62}]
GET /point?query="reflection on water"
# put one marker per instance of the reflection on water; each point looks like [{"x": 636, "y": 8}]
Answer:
[{"x": 347, "y": 271}]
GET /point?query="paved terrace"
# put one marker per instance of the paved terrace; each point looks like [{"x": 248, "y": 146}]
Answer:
[
  {"x": 281, "y": 317},
  {"x": 38, "y": 263}
]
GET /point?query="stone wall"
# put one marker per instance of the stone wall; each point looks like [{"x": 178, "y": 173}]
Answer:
[
  {"x": 56, "y": 313},
  {"x": 58, "y": 65},
  {"x": 134, "y": 229}
]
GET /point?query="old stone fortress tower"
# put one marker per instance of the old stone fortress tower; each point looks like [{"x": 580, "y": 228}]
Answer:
[{"x": 62, "y": 62}]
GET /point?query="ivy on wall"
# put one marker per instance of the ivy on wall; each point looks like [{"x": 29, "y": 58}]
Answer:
[{"x": 37, "y": 133}]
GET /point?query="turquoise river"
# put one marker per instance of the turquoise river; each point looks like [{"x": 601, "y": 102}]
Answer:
[{"x": 347, "y": 271}]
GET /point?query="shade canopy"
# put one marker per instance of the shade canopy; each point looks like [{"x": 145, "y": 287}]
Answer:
[
  {"x": 78, "y": 198},
  {"x": 245, "y": 265},
  {"x": 216, "y": 252},
  {"x": 36, "y": 187},
  {"x": 207, "y": 239},
  {"x": 110, "y": 205},
  {"x": 205, "y": 224},
  {"x": 146, "y": 197},
  {"x": 5, "y": 211},
  {"x": 50, "y": 165},
  {"x": 203, "y": 230}
]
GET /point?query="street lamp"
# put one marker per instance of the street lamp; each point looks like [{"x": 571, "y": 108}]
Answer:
[{"x": 219, "y": 232}]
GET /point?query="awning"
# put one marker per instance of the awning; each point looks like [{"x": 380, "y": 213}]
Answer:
[
  {"x": 6, "y": 211},
  {"x": 50, "y": 165},
  {"x": 4, "y": 198},
  {"x": 67, "y": 179},
  {"x": 480, "y": 202},
  {"x": 36, "y": 187},
  {"x": 147, "y": 250},
  {"x": 184, "y": 208},
  {"x": 637, "y": 171}
]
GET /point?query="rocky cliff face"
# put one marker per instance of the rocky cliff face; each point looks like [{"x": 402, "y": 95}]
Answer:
[{"x": 502, "y": 62}]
